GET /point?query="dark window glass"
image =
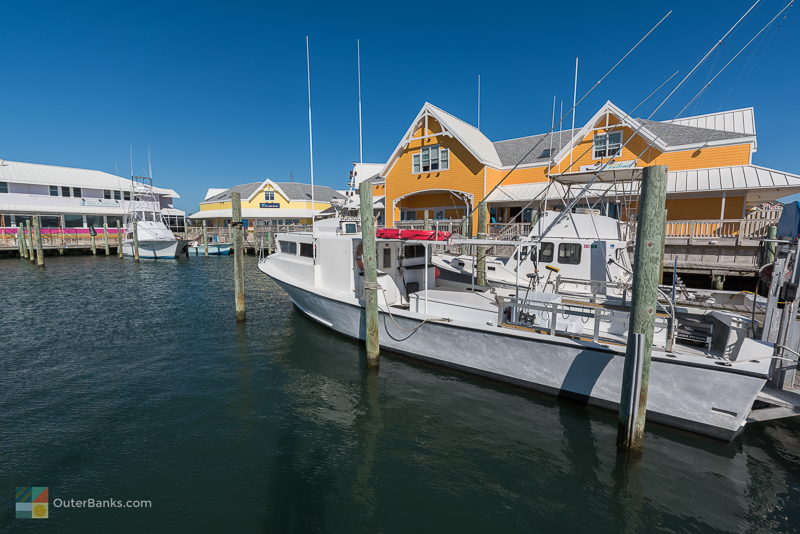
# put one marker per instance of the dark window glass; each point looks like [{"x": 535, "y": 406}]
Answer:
[
  {"x": 387, "y": 258},
  {"x": 307, "y": 250},
  {"x": 94, "y": 220},
  {"x": 51, "y": 221},
  {"x": 3, "y": 187},
  {"x": 20, "y": 219},
  {"x": 112, "y": 220},
  {"x": 546, "y": 252},
  {"x": 414, "y": 251},
  {"x": 73, "y": 221},
  {"x": 53, "y": 190},
  {"x": 106, "y": 194},
  {"x": 76, "y": 192},
  {"x": 126, "y": 195},
  {"x": 64, "y": 191},
  {"x": 117, "y": 195},
  {"x": 569, "y": 253},
  {"x": 288, "y": 247}
]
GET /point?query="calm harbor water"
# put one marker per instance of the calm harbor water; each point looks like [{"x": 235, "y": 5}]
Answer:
[{"x": 124, "y": 381}]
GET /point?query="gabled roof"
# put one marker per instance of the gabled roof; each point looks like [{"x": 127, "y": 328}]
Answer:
[
  {"x": 741, "y": 121},
  {"x": 512, "y": 150},
  {"x": 36, "y": 173},
  {"x": 291, "y": 191},
  {"x": 675, "y": 135}
]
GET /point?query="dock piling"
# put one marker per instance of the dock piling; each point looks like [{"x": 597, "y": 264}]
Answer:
[
  {"x": 94, "y": 242},
  {"x": 481, "y": 275},
  {"x": 772, "y": 235},
  {"x": 370, "y": 274},
  {"x": 21, "y": 243},
  {"x": 105, "y": 239},
  {"x": 426, "y": 223},
  {"x": 135, "y": 241},
  {"x": 238, "y": 254},
  {"x": 37, "y": 226},
  {"x": 644, "y": 302},
  {"x": 205, "y": 239},
  {"x": 31, "y": 247},
  {"x": 119, "y": 240}
]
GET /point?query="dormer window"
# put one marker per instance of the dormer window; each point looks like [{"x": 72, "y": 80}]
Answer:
[
  {"x": 607, "y": 145},
  {"x": 430, "y": 159},
  {"x": 269, "y": 195}
]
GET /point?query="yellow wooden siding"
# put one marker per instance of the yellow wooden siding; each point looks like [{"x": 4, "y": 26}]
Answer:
[{"x": 259, "y": 198}]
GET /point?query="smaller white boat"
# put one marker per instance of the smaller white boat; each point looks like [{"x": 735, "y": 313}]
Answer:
[{"x": 214, "y": 249}]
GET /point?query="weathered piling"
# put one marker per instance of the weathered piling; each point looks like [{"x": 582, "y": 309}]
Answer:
[
  {"x": 93, "y": 235},
  {"x": 426, "y": 223},
  {"x": 37, "y": 226},
  {"x": 119, "y": 240},
  {"x": 644, "y": 300},
  {"x": 205, "y": 240},
  {"x": 105, "y": 240},
  {"x": 238, "y": 254},
  {"x": 481, "y": 274},
  {"x": 31, "y": 246},
  {"x": 772, "y": 246},
  {"x": 21, "y": 242},
  {"x": 135, "y": 241},
  {"x": 369, "y": 259}
]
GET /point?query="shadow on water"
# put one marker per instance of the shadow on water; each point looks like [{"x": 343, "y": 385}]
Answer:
[{"x": 107, "y": 387}]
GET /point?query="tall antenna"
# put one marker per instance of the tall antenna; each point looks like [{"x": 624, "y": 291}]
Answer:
[
  {"x": 574, "y": 98},
  {"x": 131, "y": 147},
  {"x": 310, "y": 135},
  {"x": 360, "y": 136},
  {"x": 479, "y": 101},
  {"x": 149, "y": 164}
]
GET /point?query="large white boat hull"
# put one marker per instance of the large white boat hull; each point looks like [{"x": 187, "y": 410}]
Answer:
[
  {"x": 705, "y": 400},
  {"x": 156, "y": 249}
]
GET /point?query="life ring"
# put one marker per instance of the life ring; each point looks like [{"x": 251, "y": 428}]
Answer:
[{"x": 360, "y": 256}]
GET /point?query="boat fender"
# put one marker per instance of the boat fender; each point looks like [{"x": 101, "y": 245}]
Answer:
[{"x": 436, "y": 272}]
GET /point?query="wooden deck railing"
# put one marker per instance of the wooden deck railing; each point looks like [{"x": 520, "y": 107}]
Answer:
[{"x": 60, "y": 237}]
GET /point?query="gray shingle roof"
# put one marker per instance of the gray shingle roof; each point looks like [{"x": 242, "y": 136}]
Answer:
[
  {"x": 511, "y": 150},
  {"x": 678, "y": 134},
  {"x": 295, "y": 191}
]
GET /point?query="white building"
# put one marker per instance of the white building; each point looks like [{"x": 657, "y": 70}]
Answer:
[{"x": 66, "y": 197}]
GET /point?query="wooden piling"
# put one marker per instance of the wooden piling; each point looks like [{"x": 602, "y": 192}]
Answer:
[
  {"x": 31, "y": 247},
  {"x": 21, "y": 242},
  {"x": 369, "y": 257},
  {"x": 94, "y": 242},
  {"x": 119, "y": 240},
  {"x": 205, "y": 239},
  {"x": 481, "y": 274},
  {"x": 136, "y": 241},
  {"x": 238, "y": 254},
  {"x": 105, "y": 240},
  {"x": 37, "y": 226},
  {"x": 772, "y": 233},
  {"x": 426, "y": 224},
  {"x": 644, "y": 300}
]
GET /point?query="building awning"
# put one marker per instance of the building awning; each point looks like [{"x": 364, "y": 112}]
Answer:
[
  {"x": 760, "y": 183},
  {"x": 257, "y": 213},
  {"x": 56, "y": 208}
]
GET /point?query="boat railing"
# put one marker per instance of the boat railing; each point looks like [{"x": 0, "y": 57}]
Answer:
[
  {"x": 594, "y": 286},
  {"x": 521, "y": 313}
]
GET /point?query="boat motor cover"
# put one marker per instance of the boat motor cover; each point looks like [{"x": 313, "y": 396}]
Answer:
[{"x": 789, "y": 223}]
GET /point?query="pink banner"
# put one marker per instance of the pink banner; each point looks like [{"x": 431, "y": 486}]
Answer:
[{"x": 68, "y": 231}]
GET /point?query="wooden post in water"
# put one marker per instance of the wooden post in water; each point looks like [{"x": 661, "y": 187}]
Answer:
[
  {"x": 205, "y": 239},
  {"x": 369, "y": 256},
  {"x": 94, "y": 241},
  {"x": 37, "y": 225},
  {"x": 119, "y": 240},
  {"x": 105, "y": 242},
  {"x": 426, "y": 224},
  {"x": 31, "y": 248},
  {"x": 772, "y": 233},
  {"x": 481, "y": 275},
  {"x": 136, "y": 241},
  {"x": 23, "y": 253},
  {"x": 644, "y": 300},
  {"x": 238, "y": 254}
]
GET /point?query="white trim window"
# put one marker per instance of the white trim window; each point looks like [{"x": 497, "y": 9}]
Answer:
[
  {"x": 430, "y": 159},
  {"x": 3, "y": 187},
  {"x": 269, "y": 195},
  {"x": 607, "y": 145}
]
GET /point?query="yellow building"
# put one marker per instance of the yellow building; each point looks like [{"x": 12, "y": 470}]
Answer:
[
  {"x": 268, "y": 201},
  {"x": 446, "y": 166}
]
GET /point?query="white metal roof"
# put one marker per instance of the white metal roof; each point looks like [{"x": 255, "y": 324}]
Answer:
[
  {"x": 214, "y": 191},
  {"x": 36, "y": 173},
  {"x": 364, "y": 171},
  {"x": 470, "y": 136},
  {"x": 257, "y": 213},
  {"x": 736, "y": 120},
  {"x": 738, "y": 178}
]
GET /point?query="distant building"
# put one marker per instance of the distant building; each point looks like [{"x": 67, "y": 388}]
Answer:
[
  {"x": 268, "y": 201},
  {"x": 67, "y": 197}
]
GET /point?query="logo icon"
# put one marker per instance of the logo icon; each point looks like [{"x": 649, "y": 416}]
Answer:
[{"x": 32, "y": 502}]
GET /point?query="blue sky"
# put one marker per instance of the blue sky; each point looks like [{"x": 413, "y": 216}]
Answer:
[{"x": 219, "y": 89}]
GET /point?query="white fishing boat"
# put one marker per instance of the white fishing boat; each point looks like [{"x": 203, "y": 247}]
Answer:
[
  {"x": 706, "y": 373},
  {"x": 155, "y": 239},
  {"x": 214, "y": 249},
  {"x": 584, "y": 253}
]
